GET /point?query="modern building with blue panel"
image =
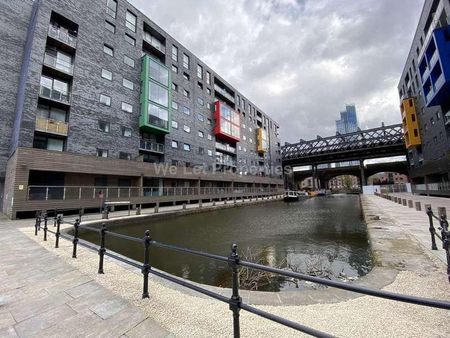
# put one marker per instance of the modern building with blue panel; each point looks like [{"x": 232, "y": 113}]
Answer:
[
  {"x": 348, "y": 122},
  {"x": 434, "y": 68},
  {"x": 424, "y": 95}
]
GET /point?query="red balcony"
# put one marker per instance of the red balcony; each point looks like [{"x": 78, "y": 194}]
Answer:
[{"x": 228, "y": 123}]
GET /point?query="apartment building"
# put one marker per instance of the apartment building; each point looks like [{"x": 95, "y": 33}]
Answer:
[
  {"x": 424, "y": 91},
  {"x": 100, "y": 103}
]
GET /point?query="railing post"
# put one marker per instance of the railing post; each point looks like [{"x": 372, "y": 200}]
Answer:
[
  {"x": 146, "y": 266},
  {"x": 58, "y": 233},
  {"x": 55, "y": 217},
  {"x": 45, "y": 227},
  {"x": 76, "y": 225},
  {"x": 36, "y": 225},
  {"x": 235, "y": 300},
  {"x": 101, "y": 251},
  {"x": 445, "y": 241},
  {"x": 431, "y": 228}
]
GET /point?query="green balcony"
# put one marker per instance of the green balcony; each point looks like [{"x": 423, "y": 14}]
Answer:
[{"x": 156, "y": 97}]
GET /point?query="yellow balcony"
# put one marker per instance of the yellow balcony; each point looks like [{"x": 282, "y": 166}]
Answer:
[
  {"x": 410, "y": 124},
  {"x": 51, "y": 126},
  {"x": 261, "y": 139}
]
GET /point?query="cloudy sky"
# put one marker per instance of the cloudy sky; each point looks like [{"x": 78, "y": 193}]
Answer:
[{"x": 300, "y": 61}]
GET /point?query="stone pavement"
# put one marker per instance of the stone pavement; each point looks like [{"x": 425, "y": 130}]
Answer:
[
  {"x": 42, "y": 296},
  {"x": 414, "y": 222}
]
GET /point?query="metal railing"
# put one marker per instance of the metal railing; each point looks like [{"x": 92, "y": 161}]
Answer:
[
  {"x": 54, "y": 62},
  {"x": 51, "y": 126},
  {"x": 63, "y": 35},
  {"x": 445, "y": 234},
  {"x": 54, "y": 94},
  {"x": 151, "y": 146},
  {"x": 235, "y": 302},
  {"x": 154, "y": 42},
  {"x": 224, "y": 93},
  {"x": 36, "y": 192},
  {"x": 225, "y": 147},
  {"x": 442, "y": 186}
]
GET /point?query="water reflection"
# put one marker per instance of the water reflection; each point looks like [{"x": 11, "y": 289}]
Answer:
[{"x": 295, "y": 233}]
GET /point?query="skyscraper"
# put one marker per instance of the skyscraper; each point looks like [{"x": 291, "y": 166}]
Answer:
[{"x": 348, "y": 122}]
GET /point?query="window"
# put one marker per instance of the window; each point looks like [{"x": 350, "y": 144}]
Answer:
[
  {"x": 102, "y": 152},
  {"x": 128, "y": 61},
  {"x": 210, "y": 153},
  {"x": 174, "y": 144},
  {"x": 185, "y": 61},
  {"x": 106, "y": 74},
  {"x": 103, "y": 126},
  {"x": 128, "y": 84},
  {"x": 186, "y": 110},
  {"x": 174, "y": 69},
  {"x": 174, "y": 124},
  {"x": 124, "y": 156},
  {"x": 108, "y": 50},
  {"x": 208, "y": 105},
  {"x": 106, "y": 100},
  {"x": 187, "y": 129},
  {"x": 130, "y": 21},
  {"x": 210, "y": 137},
  {"x": 126, "y": 132},
  {"x": 208, "y": 91},
  {"x": 159, "y": 73},
  {"x": 110, "y": 27},
  {"x": 158, "y": 94},
  {"x": 200, "y": 101},
  {"x": 200, "y": 85},
  {"x": 244, "y": 138},
  {"x": 186, "y": 93},
  {"x": 208, "y": 77},
  {"x": 186, "y": 76},
  {"x": 174, "y": 105},
  {"x": 186, "y": 147},
  {"x": 438, "y": 115},
  {"x": 209, "y": 121},
  {"x": 127, "y": 107},
  {"x": 199, "y": 72},
  {"x": 201, "y": 150},
  {"x": 43, "y": 142},
  {"x": 174, "y": 86},
  {"x": 413, "y": 117},
  {"x": 432, "y": 121},
  {"x": 250, "y": 129},
  {"x": 200, "y": 117},
  {"x": 201, "y": 134},
  {"x": 130, "y": 40},
  {"x": 111, "y": 8},
  {"x": 174, "y": 53}
]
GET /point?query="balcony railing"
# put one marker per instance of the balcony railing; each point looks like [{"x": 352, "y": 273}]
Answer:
[
  {"x": 230, "y": 163},
  {"x": 443, "y": 186},
  {"x": 63, "y": 35},
  {"x": 51, "y": 126},
  {"x": 425, "y": 74},
  {"x": 430, "y": 95},
  {"x": 53, "y": 94},
  {"x": 224, "y": 93},
  {"x": 226, "y": 148},
  {"x": 434, "y": 58},
  {"x": 439, "y": 82},
  {"x": 53, "y": 62},
  {"x": 154, "y": 42},
  {"x": 94, "y": 193},
  {"x": 151, "y": 146}
]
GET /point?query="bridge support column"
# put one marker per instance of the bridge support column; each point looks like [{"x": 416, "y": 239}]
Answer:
[
  {"x": 362, "y": 175},
  {"x": 314, "y": 176}
]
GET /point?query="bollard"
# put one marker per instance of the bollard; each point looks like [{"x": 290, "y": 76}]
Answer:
[
  {"x": 410, "y": 204},
  {"x": 431, "y": 227},
  {"x": 224, "y": 201},
  {"x": 404, "y": 202},
  {"x": 146, "y": 266},
  {"x": 418, "y": 206},
  {"x": 75, "y": 238},
  {"x": 184, "y": 206},
  {"x": 235, "y": 300},
  {"x": 58, "y": 233},
  {"x": 214, "y": 204},
  {"x": 138, "y": 209},
  {"x": 101, "y": 251},
  {"x": 442, "y": 212},
  {"x": 395, "y": 199},
  {"x": 234, "y": 200},
  {"x": 200, "y": 204},
  {"x": 156, "y": 210},
  {"x": 445, "y": 241},
  {"x": 45, "y": 227}
]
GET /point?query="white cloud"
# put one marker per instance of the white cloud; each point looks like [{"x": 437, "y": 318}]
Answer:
[{"x": 300, "y": 60}]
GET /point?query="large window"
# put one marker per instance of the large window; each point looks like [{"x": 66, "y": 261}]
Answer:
[
  {"x": 158, "y": 117},
  {"x": 185, "y": 61},
  {"x": 54, "y": 89},
  {"x": 111, "y": 8},
  {"x": 228, "y": 121},
  {"x": 174, "y": 53},
  {"x": 199, "y": 72},
  {"x": 130, "y": 21},
  {"x": 159, "y": 73},
  {"x": 44, "y": 142},
  {"x": 208, "y": 77},
  {"x": 103, "y": 126},
  {"x": 159, "y": 94}
]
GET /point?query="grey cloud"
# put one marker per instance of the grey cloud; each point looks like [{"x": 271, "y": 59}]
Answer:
[{"x": 300, "y": 60}]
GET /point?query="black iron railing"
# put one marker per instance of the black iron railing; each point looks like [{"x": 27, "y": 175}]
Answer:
[
  {"x": 444, "y": 236},
  {"x": 234, "y": 262}
]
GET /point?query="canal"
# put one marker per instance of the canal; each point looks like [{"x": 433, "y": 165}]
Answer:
[{"x": 325, "y": 236}]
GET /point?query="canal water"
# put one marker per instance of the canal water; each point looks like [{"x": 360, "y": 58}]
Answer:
[{"x": 325, "y": 236}]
